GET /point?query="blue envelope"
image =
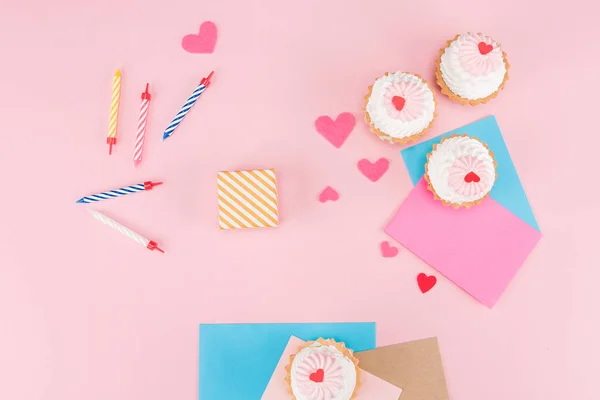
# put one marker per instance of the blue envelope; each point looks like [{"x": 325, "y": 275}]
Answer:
[
  {"x": 237, "y": 360},
  {"x": 507, "y": 189}
]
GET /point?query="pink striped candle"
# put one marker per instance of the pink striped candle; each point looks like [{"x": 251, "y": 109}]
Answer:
[{"x": 141, "y": 128}]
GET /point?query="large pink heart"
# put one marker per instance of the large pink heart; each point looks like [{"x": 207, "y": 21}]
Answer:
[
  {"x": 202, "y": 43},
  {"x": 373, "y": 171},
  {"x": 336, "y": 132}
]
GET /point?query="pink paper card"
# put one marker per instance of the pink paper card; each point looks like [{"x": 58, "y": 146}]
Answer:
[
  {"x": 480, "y": 248},
  {"x": 371, "y": 387}
]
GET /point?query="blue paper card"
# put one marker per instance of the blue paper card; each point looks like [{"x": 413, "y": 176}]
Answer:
[
  {"x": 507, "y": 189},
  {"x": 237, "y": 360}
]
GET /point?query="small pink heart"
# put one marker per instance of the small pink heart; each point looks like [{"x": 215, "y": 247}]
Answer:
[
  {"x": 373, "y": 171},
  {"x": 328, "y": 193},
  {"x": 202, "y": 43},
  {"x": 388, "y": 251},
  {"x": 336, "y": 132}
]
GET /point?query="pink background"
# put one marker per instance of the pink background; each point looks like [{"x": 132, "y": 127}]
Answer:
[{"x": 88, "y": 314}]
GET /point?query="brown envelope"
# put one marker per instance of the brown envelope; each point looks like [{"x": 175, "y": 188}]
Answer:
[{"x": 415, "y": 367}]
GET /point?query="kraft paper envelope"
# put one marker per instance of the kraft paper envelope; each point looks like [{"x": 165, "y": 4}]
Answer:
[
  {"x": 416, "y": 367},
  {"x": 371, "y": 387}
]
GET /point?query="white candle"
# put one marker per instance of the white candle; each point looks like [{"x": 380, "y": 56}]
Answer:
[{"x": 149, "y": 244}]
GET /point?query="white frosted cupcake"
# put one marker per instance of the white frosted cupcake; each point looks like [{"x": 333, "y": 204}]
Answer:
[
  {"x": 472, "y": 69},
  {"x": 399, "y": 107},
  {"x": 323, "y": 370},
  {"x": 460, "y": 171}
]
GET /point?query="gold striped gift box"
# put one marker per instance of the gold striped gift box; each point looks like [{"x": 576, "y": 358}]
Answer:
[{"x": 247, "y": 199}]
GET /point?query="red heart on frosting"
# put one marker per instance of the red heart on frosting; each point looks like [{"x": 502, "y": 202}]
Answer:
[
  {"x": 472, "y": 177},
  {"x": 317, "y": 376},
  {"x": 485, "y": 48},
  {"x": 398, "y": 102}
]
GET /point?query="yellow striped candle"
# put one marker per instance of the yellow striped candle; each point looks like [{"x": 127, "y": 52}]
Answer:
[
  {"x": 114, "y": 111},
  {"x": 247, "y": 199}
]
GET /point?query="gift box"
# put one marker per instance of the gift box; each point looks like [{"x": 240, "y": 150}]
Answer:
[{"x": 247, "y": 199}]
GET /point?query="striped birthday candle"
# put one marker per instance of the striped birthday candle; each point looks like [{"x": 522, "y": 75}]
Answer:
[
  {"x": 204, "y": 83},
  {"x": 114, "y": 111},
  {"x": 138, "y": 149},
  {"x": 124, "y": 191},
  {"x": 123, "y": 230}
]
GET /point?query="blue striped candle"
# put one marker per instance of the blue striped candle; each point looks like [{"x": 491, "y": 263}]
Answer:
[
  {"x": 187, "y": 106},
  {"x": 93, "y": 198}
]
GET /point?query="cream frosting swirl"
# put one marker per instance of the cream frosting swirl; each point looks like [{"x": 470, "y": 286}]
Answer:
[
  {"x": 401, "y": 105},
  {"x": 461, "y": 170},
  {"x": 473, "y": 66},
  {"x": 322, "y": 372}
]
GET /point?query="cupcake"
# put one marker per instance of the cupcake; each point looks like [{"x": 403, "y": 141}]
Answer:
[
  {"x": 323, "y": 370},
  {"x": 471, "y": 69},
  {"x": 460, "y": 171},
  {"x": 399, "y": 107}
]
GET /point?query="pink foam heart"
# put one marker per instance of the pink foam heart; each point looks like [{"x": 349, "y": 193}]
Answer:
[
  {"x": 202, "y": 43},
  {"x": 387, "y": 250},
  {"x": 373, "y": 171},
  {"x": 327, "y": 194},
  {"x": 336, "y": 132}
]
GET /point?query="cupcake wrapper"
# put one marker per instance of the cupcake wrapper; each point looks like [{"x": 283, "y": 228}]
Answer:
[
  {"x": 453, "y": 96},
  {"x": 324, "y": 342},
  {"x": 430, "y": 186},
  {"x": 391, "y": 139}
]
